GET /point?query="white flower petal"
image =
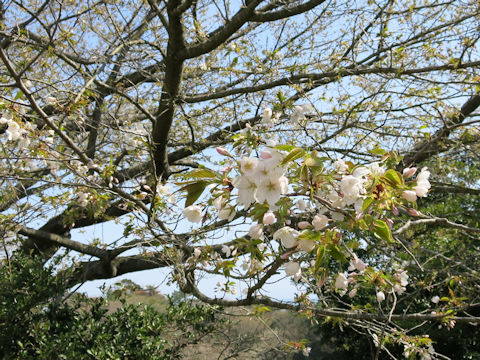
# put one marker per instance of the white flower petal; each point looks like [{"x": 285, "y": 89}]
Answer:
[{"x": 193, "y": 213}]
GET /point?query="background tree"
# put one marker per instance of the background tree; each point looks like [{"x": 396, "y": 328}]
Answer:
[
  {"x": 105, "y": 103},
  {"x": 40, "y": 321}
]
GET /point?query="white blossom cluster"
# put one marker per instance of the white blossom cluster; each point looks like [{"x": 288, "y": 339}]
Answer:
[
  {"x": 225, "y": 211},
  {"x": 82, "y": 198},
  {"x": 15, "y": 133},
  {"x": 401, "y": 279},
  {"x": 133, "y": 138},
  {"x": 269, "y": 118},
  {"x": 261, "y": 179},
  {"x": 357, "y": 266},
  {"x": 352, "y": 187},
  {"x": 342, "y": 282},
  {"x": 422, "y": 187},
  {"x": 424, "y": 353},
  {"x": 299, "y": 112}
]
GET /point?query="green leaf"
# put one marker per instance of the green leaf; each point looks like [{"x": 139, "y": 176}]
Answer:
[
  {"x": 194, "y": 191},
  {"x": 303, "y": 172},
  {"x": 393, "y": 178},
  {"x": 337, "y": 254},
  {"x": 321, "y": 251},
  {"x": 378, "y": 151},
  {"x": 201, "y": 173},
  {"x": 285, "y": 147},
  {"x": 310, "y": 235},
  {"x": 314, "y": 162},
  {"x": 382, "y": 231},
  {"x": 260, "y": 309},
  {"x": 19, "y": 95},
  {"x": 128, "y": 229},
  {"x": 368, "y": 201},
  {"x": 293, "y": 155},
  {"x": 362, "y": 224},
  {"x": 257, "y": 211}
]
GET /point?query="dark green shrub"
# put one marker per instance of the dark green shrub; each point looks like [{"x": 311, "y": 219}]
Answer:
[{"x": 37, "y": 323}]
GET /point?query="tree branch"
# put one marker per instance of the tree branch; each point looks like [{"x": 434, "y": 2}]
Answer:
[
  {"x": 428, "y": 148},
  {"x": 191, "y": 288},
  {"x": 220, "y": 35},
  {"x": 351, "y": 70},
  {"x": 259, "y": 16},
  {"x": 435, "y": 221},
  {"x": 44, "y": 236}
]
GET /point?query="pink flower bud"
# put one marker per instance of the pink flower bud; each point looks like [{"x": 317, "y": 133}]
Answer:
[
  {"x": 389, "y": 223},
  {"x": 222, "y": 151},
  {"x": 264, "y": 154},
  {"x": 303, "y": 225},
  {"x": 352, "y": 293},
  {"x": 148, "y": 188},
  {"x": 269, "y": 218},
  {"x": 395, "y": 210},
  {"x": 287, "y": 254},
  {"x": 413, "y": 212},
  {"x": 409, "y": 172}
]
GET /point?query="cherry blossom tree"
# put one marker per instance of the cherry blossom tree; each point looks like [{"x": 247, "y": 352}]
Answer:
[{"x": 250, "y": 140}]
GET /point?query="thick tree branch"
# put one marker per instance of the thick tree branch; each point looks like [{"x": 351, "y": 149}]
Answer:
[
  {"x": 93, "y": 270},
  {"x": 428, "y": 148},
  {"x": 44, "y": 236},
  {"x": 171, "y": 87},
  {"x": 260, "y": 16}
]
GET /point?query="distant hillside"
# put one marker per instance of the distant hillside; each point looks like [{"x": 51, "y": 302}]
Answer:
[{"x": 269, "y": 335}]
